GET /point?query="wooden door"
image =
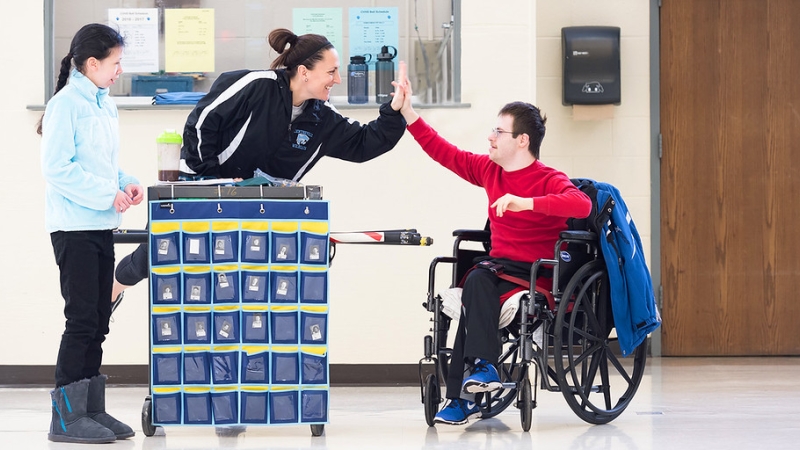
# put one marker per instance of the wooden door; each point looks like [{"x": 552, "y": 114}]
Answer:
[{"x": 730, "y": 177}]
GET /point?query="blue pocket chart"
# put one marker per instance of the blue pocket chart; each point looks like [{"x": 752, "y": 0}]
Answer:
[
  {"x": 196, "y": 288},
  {"x": 314, "y": 368},
  {"x": 314, "y": 406},
  {"x": 166, "y": 289},
  {"x": 226, "y": 327},
  {"x": 313, "y": 287},
  {"x": 285, "y": 368},
  {"x": 226, "y": 247},
  {"x": 164, "y": 249},
  {"x": 314, "y": 328},
  {"x": 226, "y": 409},
  {"x": 167, "y": 408},
  {"x": 284, "y": 248},
  {"x": 283, "y": 287},
  {"x": 195, "y": 248},
  {"x": 254, "y": 407},
  {"x": 166, "y": 368},
  {"x": 225, "y": 367},
  {"x": 226, "y": 287},
  {"x": 314, "y": 249},
  {"x": 238, "y": 297},
  {"x": 283, "y": 327},
  {"x": 196, "y": 369},
  {"x": 283, "y": 407},
  {"x": 166, "y": 329},
  {"x": 197, "y": 327},
  {"x": 255, "y": 326},
  {"x": 197, "y": 408},
  {"x": 255, "y": 247},
  {"x": 255, "y": 286},
  {"x": 255, "y": 368}
]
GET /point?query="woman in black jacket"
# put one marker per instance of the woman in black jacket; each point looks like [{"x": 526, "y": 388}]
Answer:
[{"x": 279, "y": 121}]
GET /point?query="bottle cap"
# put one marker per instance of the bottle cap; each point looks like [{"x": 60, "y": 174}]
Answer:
[
  {"x": 384, "y": 55},
  {"x": 358, "y": 59},
  {"x": 169, "y": 136}
]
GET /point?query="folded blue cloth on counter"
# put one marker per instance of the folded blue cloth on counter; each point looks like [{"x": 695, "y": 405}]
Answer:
[{"x": 178, "y": 98}]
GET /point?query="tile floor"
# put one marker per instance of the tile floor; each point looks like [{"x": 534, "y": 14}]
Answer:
[{"x": 682, "y": 403}]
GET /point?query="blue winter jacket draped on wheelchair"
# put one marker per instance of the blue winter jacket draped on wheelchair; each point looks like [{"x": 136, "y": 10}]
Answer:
[{"x": 632, "y": 300}]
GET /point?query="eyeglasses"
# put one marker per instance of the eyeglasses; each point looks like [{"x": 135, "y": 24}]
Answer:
[{"x": 497, "y": 132}]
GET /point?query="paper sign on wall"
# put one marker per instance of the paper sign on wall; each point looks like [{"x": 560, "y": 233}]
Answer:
[
  {"x": 324, "y": 21},
  {"x": 372, "y": 28},
  {"x": 189, "y": 40},
  {"x": 139, "y": 28}
]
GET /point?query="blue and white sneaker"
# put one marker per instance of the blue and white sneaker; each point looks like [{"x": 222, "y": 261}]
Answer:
[
  {"x": 484, "y": 378},
  {"x": 457, "y": 412}
]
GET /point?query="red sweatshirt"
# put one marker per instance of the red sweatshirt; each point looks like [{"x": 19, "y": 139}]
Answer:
[{"x": 520, "y": 236}]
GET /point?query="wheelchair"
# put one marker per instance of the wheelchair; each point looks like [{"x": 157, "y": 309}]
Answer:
[{"x": 563, "y": 338}]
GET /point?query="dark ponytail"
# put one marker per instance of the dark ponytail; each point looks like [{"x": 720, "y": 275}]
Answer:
[
  {"x": 91, "y": 41},
  {"x": 303, "y": 50}
]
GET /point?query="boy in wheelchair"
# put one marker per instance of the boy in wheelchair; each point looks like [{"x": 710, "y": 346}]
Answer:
[{"x": 528, "y": 207}]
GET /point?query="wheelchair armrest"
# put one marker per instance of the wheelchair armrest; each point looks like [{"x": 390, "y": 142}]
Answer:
[
  {"x": 576, "y": 235},
  {"x": 473, "y": 235}
]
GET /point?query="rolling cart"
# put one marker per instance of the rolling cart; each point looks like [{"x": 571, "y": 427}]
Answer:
[{"x": 238, "y": 319}]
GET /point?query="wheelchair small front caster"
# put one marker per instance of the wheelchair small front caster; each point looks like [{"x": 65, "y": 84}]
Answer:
[
  {"x": 525, "y": 404},
  {"x": 431, "y": 398}
]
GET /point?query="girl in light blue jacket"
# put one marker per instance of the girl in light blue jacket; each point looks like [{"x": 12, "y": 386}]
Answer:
[{"x": 85, "y": 195}]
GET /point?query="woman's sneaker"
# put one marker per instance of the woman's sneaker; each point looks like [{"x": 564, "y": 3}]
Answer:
[
  {"x": 116, "y": 303},
  {"x": 484, "y": 378},
  {"x": 457, "y": 412}
]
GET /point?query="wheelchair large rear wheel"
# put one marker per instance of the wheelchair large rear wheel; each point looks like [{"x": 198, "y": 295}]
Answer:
[{"x": 596, "y": 381}]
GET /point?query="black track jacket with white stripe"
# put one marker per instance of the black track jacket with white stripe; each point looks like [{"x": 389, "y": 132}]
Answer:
[{"x": 244, "y": 123}]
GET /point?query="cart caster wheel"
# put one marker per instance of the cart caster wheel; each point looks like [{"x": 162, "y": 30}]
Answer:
[
  {"x": 147, "y": 418},
  {"x": 317, "y": 430}
]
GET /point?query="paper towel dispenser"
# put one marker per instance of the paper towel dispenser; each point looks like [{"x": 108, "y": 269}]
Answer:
[{"x": 591, "y": 65}]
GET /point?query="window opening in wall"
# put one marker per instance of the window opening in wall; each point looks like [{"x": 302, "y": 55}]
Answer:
[{"x": 427, "y": 38}]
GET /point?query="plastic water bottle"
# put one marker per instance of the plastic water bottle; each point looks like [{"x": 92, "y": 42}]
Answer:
[
  {"x": 358, "y": 80},
  {"x": 169, "y": 155},
  {"x": 384, "y": 74}
]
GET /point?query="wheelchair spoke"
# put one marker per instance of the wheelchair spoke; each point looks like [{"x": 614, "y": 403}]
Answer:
[
  {"x": 586, "y": 353},
  {"x": 605, "y": 387},
  {"x": 620, "y": 369},
  {"x": 588, "y": 369}
]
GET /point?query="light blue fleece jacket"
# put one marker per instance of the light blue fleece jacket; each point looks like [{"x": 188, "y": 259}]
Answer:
[{"x": 80, "y": 149}]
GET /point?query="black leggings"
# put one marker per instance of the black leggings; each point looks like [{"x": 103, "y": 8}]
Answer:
[
  {"x": 86, "y": 264},
  {"x": 133, "y": 268}
]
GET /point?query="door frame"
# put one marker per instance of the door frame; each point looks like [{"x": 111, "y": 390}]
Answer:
[{"x": 655, "y": 165}]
